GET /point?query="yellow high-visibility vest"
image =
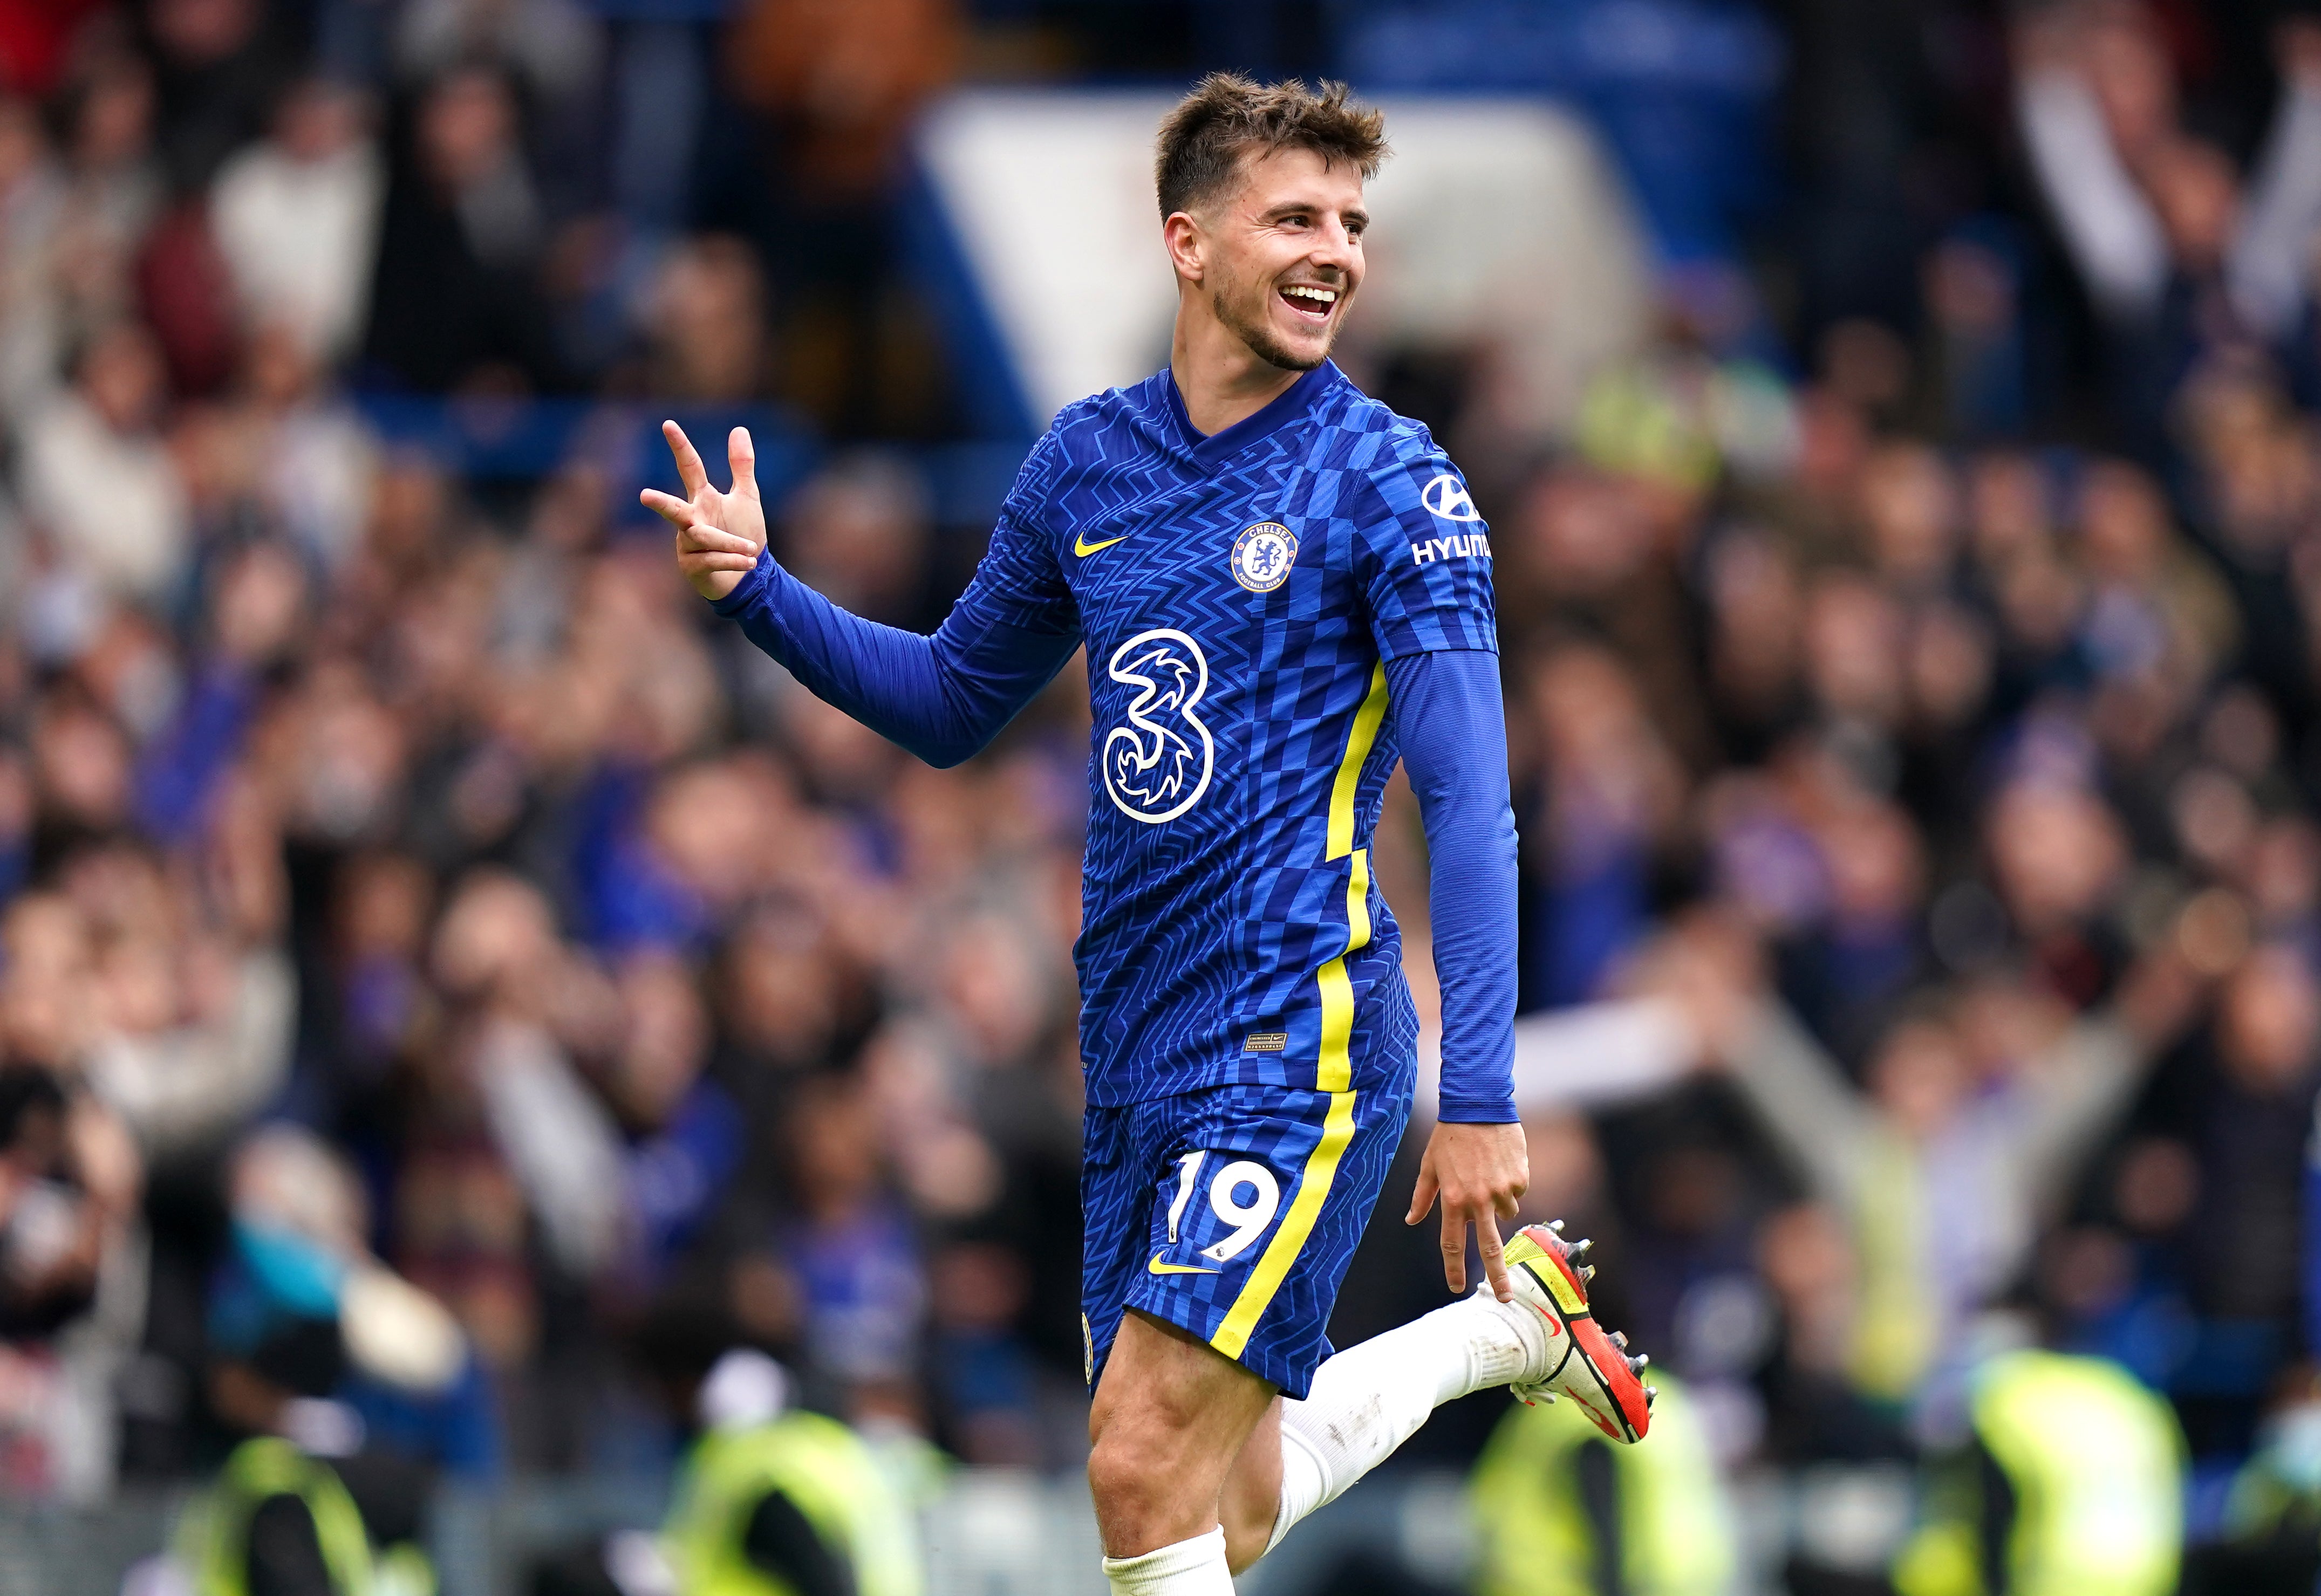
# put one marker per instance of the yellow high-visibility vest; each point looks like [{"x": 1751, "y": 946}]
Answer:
[
  {"x": 2095, "y": 1462},
  {"x": 1675, "y": 1534},
  {"x": 217, "y": 1533},
  {"x": 823, "y": 1468}
]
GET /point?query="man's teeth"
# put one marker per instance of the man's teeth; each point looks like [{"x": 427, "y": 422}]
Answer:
[{"x": 1323, "y": 297}]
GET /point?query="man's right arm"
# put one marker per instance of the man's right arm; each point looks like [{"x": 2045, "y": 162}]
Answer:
[{"x": 942, "y": 697}]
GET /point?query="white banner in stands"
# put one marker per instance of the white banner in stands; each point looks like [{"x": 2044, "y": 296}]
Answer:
[{"x": 1498, "y": 224}]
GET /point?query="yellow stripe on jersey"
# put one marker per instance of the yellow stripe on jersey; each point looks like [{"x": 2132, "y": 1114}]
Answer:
[
  {"x": 1334, "y": 1072},
  {"x": 1358, "y": 902},
  {"x": 1364, "y": 737}
]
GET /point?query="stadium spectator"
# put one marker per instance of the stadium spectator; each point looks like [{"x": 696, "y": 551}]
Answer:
[
  {"x": 297, "y": 218},
  {"x": 1981, "y": 1098},
  {"x": 219, "y": 65},
  {"x": 133, "y": 539},
  {"x": 453, "y": 300},
  {"x": 70, "y": 1239},
  {"x": 1609, "y": 796},
  {"x": 705, "y": 320},
  {"x": 2231, "y": 1100},
  {"x": 551, "y": 46},
  {"x": 837, "y": 87},
  {"x": 116, "y": 186}
]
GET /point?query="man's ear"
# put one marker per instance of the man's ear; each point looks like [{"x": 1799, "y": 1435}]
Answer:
[{"x": 1187, "y": 249}]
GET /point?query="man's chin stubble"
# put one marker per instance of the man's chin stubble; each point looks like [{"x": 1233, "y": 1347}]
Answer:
[{"x": 1263, "y": 343}]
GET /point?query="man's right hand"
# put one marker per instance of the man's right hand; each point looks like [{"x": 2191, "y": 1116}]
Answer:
[{"x": 719, "y": 536}]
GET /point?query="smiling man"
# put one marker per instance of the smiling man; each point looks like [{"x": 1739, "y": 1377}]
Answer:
[{"x": 1283, "y": 588}]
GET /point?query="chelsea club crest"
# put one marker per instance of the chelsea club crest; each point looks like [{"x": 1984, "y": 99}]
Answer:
[{"x": 1262, "y": 556}]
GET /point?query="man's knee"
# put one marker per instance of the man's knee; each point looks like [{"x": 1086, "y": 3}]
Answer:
[
  {"x": 1118, "y": 1471},
  {"x": 1137, "y": 1450},
  {"x": 1155, "y": 1465},
  {"x": 1145, "y": 1496},
  {"x": 1170, "y": 1416}
]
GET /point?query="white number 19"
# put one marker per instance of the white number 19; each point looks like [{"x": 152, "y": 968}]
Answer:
[
  {"x": 1249, "y": 1220},
  {"x": 1188, "y": 1167}
]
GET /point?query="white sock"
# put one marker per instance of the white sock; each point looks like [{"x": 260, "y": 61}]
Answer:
[
  {"x": 1194, "y": 1567},
  {"x": 1371, "y": 1398}
]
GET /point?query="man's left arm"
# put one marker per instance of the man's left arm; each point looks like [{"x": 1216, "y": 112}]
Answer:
[
  {"x": 1454, "y": 736},
  {"x": 1449, "y": 721},
  {"x": 1427, "y": 586}
]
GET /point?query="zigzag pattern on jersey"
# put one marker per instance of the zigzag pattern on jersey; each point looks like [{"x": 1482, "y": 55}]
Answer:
[
  {"x": 1154, "y": 888},
  {"x": 1202, "y": 928}
]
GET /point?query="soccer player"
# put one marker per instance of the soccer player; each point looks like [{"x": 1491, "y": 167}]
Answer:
[{"x": 1283, "y": 588}]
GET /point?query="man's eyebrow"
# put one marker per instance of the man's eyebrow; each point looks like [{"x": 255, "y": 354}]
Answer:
[{"x": 1354, "y": 213}]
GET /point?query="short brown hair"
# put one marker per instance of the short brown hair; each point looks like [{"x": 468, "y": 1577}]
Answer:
[{"x": 1227, "y": 115}]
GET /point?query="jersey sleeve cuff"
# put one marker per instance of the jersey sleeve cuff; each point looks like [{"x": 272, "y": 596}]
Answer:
[
  {"x": 745, "y": 592},
  {"x": 1457, "y": 1108}
]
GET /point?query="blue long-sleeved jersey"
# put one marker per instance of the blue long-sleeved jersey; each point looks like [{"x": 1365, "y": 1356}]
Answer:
[{"x": 1273, "y": 616}]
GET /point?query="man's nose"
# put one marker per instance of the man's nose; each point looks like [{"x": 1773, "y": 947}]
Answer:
[{"x": 1334, "y": 247}]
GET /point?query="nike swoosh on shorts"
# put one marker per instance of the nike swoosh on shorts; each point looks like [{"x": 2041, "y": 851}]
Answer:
[{"x": 1158, "y": 1267}]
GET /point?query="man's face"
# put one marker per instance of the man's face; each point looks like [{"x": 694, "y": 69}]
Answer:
[{"x": 1282, "y": 255}]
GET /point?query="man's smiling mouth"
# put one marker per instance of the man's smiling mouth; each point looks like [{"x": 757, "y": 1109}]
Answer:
[{"x": 1311, "y": 301}]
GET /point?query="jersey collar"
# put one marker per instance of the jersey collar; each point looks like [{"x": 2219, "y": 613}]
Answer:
[{"x": 1292, "y": 403}]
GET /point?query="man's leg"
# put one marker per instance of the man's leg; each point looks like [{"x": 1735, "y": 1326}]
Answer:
[
  {"x": 1186, "y": 1438},
  {"x": 1369, "y": 1400},
  {"x": 1171, "y": 1418},
  {"x": 1365, "y": 1401},
  {"x": 1260, "y": 1196},
  {"x": 1252, "y": 1504}
]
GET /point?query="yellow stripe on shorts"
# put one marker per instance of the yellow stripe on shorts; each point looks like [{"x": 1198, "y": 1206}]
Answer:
[{"x": 1281, "y": 1252}]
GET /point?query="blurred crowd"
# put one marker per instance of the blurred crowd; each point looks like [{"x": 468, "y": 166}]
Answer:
[
  {"x": 395, "y": 868},
  {"x": 1912, "y": 680},
  {"x": 1924, "y": 708}
]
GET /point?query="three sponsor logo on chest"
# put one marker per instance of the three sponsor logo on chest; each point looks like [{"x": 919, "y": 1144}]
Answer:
[{"x": 1157, "y": 762}]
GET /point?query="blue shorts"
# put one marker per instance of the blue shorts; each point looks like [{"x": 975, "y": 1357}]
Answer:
[{"x": 1233, "y": 1213}]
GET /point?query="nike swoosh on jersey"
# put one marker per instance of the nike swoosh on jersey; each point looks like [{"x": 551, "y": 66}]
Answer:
[
  {"x": 1083, "y": 548},
  {"x": 1158, "y": 1267}
]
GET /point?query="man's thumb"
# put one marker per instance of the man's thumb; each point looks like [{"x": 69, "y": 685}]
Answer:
[{"x": 741, "y": 454}]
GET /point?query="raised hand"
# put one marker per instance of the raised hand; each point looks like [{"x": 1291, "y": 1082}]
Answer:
[{"x": 719, "y": 536}]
